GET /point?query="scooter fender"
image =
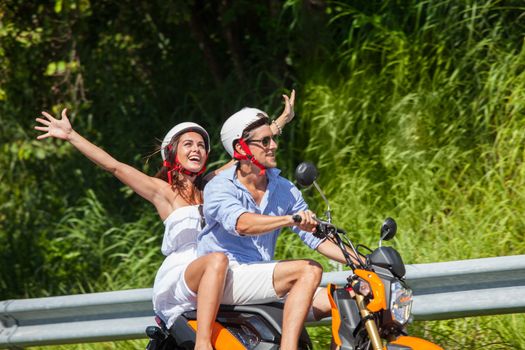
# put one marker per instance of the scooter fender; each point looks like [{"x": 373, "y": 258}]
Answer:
[
  {"x": 412, "y": 343},
  {"x": 378, "y": 302}
]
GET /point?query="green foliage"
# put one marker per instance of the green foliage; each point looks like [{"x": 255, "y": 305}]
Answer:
[
  {"x": 410, "y": 109},
  {"x": 440, "y": 150},
  {"x": 424, "y": 124},
  {"x": 91, "y": 249},
  {"x": 494, "y": 332},
  {"x": 128, "y": 344}
]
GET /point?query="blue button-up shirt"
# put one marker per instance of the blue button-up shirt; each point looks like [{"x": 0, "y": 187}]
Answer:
[{"x": 225, "y": 199}]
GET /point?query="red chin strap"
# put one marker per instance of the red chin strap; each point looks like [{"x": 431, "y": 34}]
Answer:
[
  {"x": 248, "y": 156},
  {"x": 177, "y": 166}
]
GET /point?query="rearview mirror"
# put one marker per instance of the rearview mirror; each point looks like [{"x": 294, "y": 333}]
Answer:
[
  {"x": 305, "y": 174},
  {"x": 388, "y": 229}
]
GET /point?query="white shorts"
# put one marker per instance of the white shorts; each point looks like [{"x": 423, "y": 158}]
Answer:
[
  {"x": 253, "y": 284},
  {"x": 250, "y": 284}
]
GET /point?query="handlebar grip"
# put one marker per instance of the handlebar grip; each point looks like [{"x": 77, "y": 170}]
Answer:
[{"x": 297, "y": 218}]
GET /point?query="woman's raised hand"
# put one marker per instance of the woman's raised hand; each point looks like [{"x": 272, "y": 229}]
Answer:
[
  {"x": 58, "y": 128},
  {"x": 288, "y": 112}
]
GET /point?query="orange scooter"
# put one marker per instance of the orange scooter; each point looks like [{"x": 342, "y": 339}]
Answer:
[{"x": 371, "y": 311}]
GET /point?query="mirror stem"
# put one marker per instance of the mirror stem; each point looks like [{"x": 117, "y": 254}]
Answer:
[{"x": 328, "y": 212}]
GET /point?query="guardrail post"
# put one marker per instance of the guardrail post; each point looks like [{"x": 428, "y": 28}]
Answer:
[{"x": 8, "y": 326}]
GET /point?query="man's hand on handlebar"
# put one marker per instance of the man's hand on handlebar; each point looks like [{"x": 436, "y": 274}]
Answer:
[{"x": 305, "y": 220}]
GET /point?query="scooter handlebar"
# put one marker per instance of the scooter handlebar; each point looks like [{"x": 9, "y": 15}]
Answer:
[
  {"x": 297, "y": 218},
  {"x": 323, "y": 228}
]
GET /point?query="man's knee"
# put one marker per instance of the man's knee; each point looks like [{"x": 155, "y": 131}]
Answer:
[
  {"x": 306, "y": 269},
  {"x": 313, "y": 270}
]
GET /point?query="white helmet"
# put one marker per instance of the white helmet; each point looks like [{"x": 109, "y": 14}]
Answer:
[
  {"x": 234, "y": 126},
  {"x": 181, "y": 129}
]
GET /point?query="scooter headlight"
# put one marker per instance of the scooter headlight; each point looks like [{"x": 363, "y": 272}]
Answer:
[{"x": 400, "y": 303}]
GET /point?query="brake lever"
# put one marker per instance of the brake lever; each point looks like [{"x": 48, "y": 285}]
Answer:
[
  {"x": 319, "y": 229},
  {"x": 322, "y": 230}
]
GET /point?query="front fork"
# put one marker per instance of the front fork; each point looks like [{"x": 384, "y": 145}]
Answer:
[
  {"x": 370, "y": 325},
  {"x": 349, "y": 311},
  {"x": 343, "y": 324}
]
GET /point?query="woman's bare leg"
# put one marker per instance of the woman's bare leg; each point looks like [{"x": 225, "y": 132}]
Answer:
[{"x": 206, "y": 276}]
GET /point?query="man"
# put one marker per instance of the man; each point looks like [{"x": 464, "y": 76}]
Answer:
[{"x": 245, "y": 208}]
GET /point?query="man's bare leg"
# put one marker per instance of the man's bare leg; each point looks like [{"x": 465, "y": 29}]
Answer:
[
  {"x": 321, "y": 305},
  {"x": 300, "y": 279}
]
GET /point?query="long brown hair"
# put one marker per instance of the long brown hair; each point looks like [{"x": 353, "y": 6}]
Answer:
[{"x": 192, "y": 195}]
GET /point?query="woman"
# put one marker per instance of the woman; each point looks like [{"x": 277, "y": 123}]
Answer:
[{"x": 176, "y": 194}]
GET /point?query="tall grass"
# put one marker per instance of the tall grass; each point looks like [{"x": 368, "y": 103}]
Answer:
[
  {"x": 116, "y": 345},
  {"x": 94, "y": 251},
  {"x": 424, "y": 123}
]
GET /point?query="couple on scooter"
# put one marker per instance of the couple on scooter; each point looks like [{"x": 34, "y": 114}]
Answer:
[{"x": 245, "y": 207}]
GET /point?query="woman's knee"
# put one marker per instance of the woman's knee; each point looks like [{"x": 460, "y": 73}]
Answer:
[{"x": 218, "y": 262}]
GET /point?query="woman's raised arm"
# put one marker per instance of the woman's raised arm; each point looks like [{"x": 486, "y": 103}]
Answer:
[
  {"x": 286, "y": 116},
  {"x": 150, "y": 188}
]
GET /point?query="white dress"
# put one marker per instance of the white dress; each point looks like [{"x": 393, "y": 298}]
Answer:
[{"x": 171, "y": 295}]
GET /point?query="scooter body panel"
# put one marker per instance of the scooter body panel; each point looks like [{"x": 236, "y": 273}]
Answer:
[
  {"x": 221, "y": 338},
  {"x": 347, "y": 332},
  {"x": 252, "y": 327}
]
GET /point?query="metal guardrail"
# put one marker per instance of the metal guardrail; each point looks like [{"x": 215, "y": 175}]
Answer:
[
  {"x": 464, "y": 288},
  {"x": 441, "y": 291}
]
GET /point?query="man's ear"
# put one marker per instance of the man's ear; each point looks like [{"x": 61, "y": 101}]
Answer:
[{"x": 238, "y": 148}]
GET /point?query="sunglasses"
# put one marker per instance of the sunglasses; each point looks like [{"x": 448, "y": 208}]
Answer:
[{"x": 265, "y": 141}]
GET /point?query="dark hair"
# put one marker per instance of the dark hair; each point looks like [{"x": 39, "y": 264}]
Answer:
[
  {"x": 191, "y": 195},
  {"x": 263, "y": 120}
]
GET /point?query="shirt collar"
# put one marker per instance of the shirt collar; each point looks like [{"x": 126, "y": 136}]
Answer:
[
  {"x": 231, "y": 174},
  {"x": 271, "y": 173}
]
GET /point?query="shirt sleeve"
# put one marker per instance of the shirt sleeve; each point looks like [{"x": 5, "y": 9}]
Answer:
[
  {"x": 299, "y": 204},
  {"x": 222, "y": 205}
]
